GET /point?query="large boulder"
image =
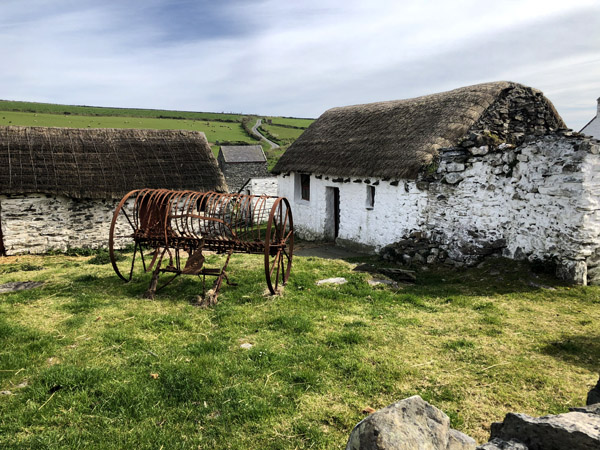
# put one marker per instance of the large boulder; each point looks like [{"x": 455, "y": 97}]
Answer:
[
  {"x": 573, "y": 431},
  {"x": 410, "y": 424},
  {"x": 594, "y": 395}
]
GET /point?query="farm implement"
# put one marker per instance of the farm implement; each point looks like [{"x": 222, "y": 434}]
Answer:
[{"x": 163, "y": 226}]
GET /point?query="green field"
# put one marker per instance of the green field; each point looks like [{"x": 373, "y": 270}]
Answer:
[
  {"x": 49, "y": 108},
  {"x": 90, "y": 364},
  {"x": 300, "y": 123},
  {"x": 215, "y": 131},
  {"x": 219, "y": 128},
  {"x": 281, "y": 135}
]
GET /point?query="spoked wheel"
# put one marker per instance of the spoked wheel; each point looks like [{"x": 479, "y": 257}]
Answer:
[
  {"x": 122, "y": 247},
  {"x": 279, "y": 244}
]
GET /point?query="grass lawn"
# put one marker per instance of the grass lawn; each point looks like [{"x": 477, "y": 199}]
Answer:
[{"x": 90, "y": 364}]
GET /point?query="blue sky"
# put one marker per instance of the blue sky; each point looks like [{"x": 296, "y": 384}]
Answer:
[{"x": 275, "y": 57}]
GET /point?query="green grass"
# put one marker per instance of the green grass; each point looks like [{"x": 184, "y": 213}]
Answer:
[
  {"x": 105, "y": 368},
  {"x": 293, "y": 122},
  {"x": 50, "y": 108},
  {"x": 281, "y": 135},
  {"x": 215, "y": 131}
]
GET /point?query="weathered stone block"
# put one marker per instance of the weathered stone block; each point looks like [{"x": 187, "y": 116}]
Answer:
[
  {"x": 573, "y": 431},
  {"x": 409, "y": 424}
]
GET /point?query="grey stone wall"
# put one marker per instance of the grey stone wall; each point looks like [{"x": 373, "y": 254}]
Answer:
[
  {"x": 38, "y": 223},
  {"x": 237, "y": 174},
  {"x": 535, "y": 201}
]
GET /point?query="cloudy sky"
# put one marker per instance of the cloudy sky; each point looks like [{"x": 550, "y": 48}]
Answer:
[{"x": 294, "y": 58}]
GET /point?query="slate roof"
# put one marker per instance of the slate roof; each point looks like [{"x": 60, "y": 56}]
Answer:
[{"x": 243, "y": 154}]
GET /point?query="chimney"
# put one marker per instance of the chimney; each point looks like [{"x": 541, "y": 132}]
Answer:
[{"x": 598, "y": 113}]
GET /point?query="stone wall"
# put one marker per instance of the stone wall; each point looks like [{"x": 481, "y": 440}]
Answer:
[
  {"x": 535, "y": 201},
  {"x": 38, "y": 223},
  {"x": 237, "y": 174},
  {"x": 538, "y": 200}
]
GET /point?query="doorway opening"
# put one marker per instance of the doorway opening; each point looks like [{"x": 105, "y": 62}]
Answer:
[
  {"x": 2, "y": 249},
  {"x": 332, "y": 213}
]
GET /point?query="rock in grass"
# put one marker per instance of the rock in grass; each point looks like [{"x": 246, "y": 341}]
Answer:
[
  {"x": 336, "y": 280},
  {"x": 246, "y": 346},
  {"x": 376, "y": 282},
  {"x": 499, "y": 444},
  {"x": 14, "y": 286},
  {"x": 594, "y": 395},
  {"x": 589, "y": 409},
  {"x": 573, "y": 431},
  {"x": 409, "y": 424}
]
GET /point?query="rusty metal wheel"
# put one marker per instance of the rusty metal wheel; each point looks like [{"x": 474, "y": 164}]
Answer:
[
  {"x": 279, "y": 244},
  {"x": 122, "y": 247}
]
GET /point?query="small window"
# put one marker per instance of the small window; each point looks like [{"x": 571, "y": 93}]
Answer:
[
  {"x": 305, "y": 186},
  {"x": 370, "y": 197}
]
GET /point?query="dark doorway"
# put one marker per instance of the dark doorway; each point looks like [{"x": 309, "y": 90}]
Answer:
[
  {"x": 2, "y": 249},
  {"x": 332, "y": 219}
]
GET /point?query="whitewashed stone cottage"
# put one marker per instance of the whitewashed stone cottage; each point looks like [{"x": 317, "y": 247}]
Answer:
[
  {"x": 592, "y": 128},
  {"x": 240, "y": 163},
  {"x": 482, "y": 169},
  {"x": 59, "y": 186}
]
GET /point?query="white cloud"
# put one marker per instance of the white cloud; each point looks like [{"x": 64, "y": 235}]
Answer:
[{"x": 298, "y": 58}]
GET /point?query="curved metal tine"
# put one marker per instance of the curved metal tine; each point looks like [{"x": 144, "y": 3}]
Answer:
[
  {"x": 159, "y": 201},
  {"x": 186, "y": 209},
  {"x": 283, "y": 225},
  {"x": 234, "y": 208},
  {"x": 195, "y": 203},
  {"x": 148, "y": 201},
  {"x": 222, "y": 211},
  {"x": 132, "y": 223},
  {"x": 203, "y": 199},
  {"x": 258, "y": 218},
  {"x": 229, "y": 205},
  {"x": 209, "y": 211},
  {"x": 154, "y": 203},
  {"x": 177, "y": 208},
  {"x": 246, "y": 216}
]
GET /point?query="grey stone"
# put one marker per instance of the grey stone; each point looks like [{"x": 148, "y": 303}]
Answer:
[
  {"x": 499, "y": 444},
  {"x": 455, "y": 167},
  {"x": 593, "y": 396},
  {"x": 479, "y": 151},
  {"x": 409, "y": 424},
  {"x": 382, "y": 282},
  {"x": 335, "y": 280},
  {"x": 572, "y": 271},
  {"x": 14, "y": 286},
  {"x": 593, "y": 408},
  {"x": 460, "y": 441},
  {"x": 573, "y": 431},
  {"x": 453, "y": 178}
]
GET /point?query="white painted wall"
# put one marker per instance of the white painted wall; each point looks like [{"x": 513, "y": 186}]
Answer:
[
  {"x": 397, "y": 210},
  {"x": 593, "y": 128},
  {"x": 542, "y": 199}
]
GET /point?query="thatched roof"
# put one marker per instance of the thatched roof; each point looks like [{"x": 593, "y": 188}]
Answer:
[
  {"x": 104, "y": 163},
  {"x": 395, "y": 139},
  {"x": 243, "y": 154}
]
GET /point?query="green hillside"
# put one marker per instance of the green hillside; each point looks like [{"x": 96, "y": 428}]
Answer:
[{"x": 220, "y": 128}]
